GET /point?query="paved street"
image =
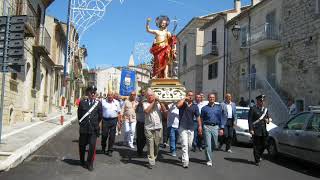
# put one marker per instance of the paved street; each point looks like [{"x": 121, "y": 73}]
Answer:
[{"x": 58, "y": 159}]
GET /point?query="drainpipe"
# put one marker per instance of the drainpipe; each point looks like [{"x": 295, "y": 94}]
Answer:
[
  {"x": 225, "y": 55},
  {"x": 249, "y": 56}
]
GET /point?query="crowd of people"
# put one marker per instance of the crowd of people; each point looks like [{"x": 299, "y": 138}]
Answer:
[{"x": 196, "y": 123}]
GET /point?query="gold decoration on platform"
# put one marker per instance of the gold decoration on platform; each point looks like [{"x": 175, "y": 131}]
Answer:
[{"x": 168, "y": 90}]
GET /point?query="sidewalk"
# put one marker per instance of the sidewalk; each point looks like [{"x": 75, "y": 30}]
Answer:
[{"x": 22, "y": 139}]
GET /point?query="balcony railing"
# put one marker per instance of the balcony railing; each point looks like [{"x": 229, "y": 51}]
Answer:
[
  {"x": 265, "y": 32},
  {"x": 260, "y": 85},
  {"x": 210, "y": 49},
  {"x": 45, "y": 40}
]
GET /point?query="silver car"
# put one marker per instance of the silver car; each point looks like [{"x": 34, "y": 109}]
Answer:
[{"x": 299, "y": 137}]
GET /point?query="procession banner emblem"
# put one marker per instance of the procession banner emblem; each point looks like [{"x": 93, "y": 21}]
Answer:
[{"x": 127, "y": 83}]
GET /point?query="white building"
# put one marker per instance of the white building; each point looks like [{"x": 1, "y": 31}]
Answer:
[
  {"x": 142, "y": 74},
  {"x": 108, "y": 80}
]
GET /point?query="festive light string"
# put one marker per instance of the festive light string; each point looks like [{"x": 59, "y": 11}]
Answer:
[{"x": 84, "y": 14}]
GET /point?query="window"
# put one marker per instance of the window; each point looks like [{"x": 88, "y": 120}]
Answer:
[
  {"x": 317, "y": 6},
  {"x": 19, "y": 7},
  {"x": 314, "y": 125},
  {"x": 213, "y": 71},
  {"x": 270, "y": 26},
  {"x": 14, "y": 76},
  {"x": 214, "y": 37},
  {"x": 34, "y": 72},
  {"x": 300, "y": 105},
  {"x": 244, "y": 36},
  {"x": 297, "y": 123},
  {"x": 185, "y": 54}
]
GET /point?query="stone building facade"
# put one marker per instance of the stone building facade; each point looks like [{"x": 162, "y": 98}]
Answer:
[
  {"x": 26, "y": 93},
  {"x": 300, "y": 59},
  {"x": 36, "y": 90},
  {"x": 253, "y": 53}
]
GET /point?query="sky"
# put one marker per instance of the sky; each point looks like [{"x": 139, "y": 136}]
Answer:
[{"x": 111, "y": 40}]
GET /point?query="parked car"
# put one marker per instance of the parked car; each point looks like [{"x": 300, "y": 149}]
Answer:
[
  {"x": 299, "y": 137},
  {"x": 242, "y": 127}
]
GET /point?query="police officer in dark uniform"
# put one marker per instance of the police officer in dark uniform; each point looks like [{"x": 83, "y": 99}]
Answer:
[
  {"x": 258, "y": 120},
  {"x": 89, "y": 126}
]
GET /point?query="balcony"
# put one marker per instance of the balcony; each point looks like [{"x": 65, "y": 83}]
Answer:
[
  {"x": 210, "y": 50},
  {"x": 44, "y": 44},
  {"x": 265, "y": 36},
  {"x": 31, "y": 27}
]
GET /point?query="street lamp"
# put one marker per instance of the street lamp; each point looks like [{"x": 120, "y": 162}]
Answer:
[{"x": 236, "y": 30}]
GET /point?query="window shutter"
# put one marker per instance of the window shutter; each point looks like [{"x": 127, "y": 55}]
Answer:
[{"x": 317, "y": 6}]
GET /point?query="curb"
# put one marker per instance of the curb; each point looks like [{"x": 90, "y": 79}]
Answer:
[{"x": 22, "y": 153}]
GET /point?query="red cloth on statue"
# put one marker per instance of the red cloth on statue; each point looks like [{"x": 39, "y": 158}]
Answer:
[{"x": 162, "y": 55}]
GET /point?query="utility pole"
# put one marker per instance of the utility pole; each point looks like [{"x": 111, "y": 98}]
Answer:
[
  {"x": 66, "y": 60},
  {"x": 4, "y": 72}
]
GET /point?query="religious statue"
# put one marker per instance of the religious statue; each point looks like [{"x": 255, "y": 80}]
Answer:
[{"x": 163, "y": 48}]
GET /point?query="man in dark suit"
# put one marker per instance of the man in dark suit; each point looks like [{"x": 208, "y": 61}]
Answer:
[
  {"x": 229, "y": 114},
  {"x": 89, "y": 115},
  {"x": 258, "y": 119}
]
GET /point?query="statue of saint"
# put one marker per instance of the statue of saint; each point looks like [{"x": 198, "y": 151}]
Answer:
[{"x": 163, "y": 48}]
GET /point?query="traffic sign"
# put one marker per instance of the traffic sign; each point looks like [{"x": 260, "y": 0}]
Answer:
[{"x": 12, "y": 43}]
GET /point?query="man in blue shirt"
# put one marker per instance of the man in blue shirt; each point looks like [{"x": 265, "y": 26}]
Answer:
[
  {"x": 187, "y": 110},
  {"x": 211, "y": 117}
]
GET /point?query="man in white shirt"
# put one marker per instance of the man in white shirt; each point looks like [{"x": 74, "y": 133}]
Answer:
[
  {"x": 173, "y": 127},
  {"x": 111, "y": 117},
  {"x": 154, "y": 110}
]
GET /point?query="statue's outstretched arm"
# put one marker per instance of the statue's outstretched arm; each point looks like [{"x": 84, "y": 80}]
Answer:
[{"x": 148, "y": 27}]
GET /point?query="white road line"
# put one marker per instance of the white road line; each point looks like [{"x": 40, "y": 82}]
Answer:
[{"x": 27, "y": 127}]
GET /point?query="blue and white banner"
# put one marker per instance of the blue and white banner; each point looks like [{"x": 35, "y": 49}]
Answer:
[{"x": 128, "y": 82}]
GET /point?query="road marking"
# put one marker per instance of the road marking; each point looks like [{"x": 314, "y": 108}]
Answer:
[
  {"x": 27, "y": 127},
  {"x": 2, "y": 153}
]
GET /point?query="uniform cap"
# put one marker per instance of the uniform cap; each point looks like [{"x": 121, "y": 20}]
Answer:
[
  {"x": 91, "y": 89},
  {"x": 261, "y": 97}
]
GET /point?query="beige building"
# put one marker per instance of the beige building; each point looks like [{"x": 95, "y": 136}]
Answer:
[
  {"x": 58, "y": 46},
  {"x": 189, "y": 50},
  {"x": 26, "y": 93},
  {"x": 213, "y": 56},
  {"x": 201, "y": 52}
]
